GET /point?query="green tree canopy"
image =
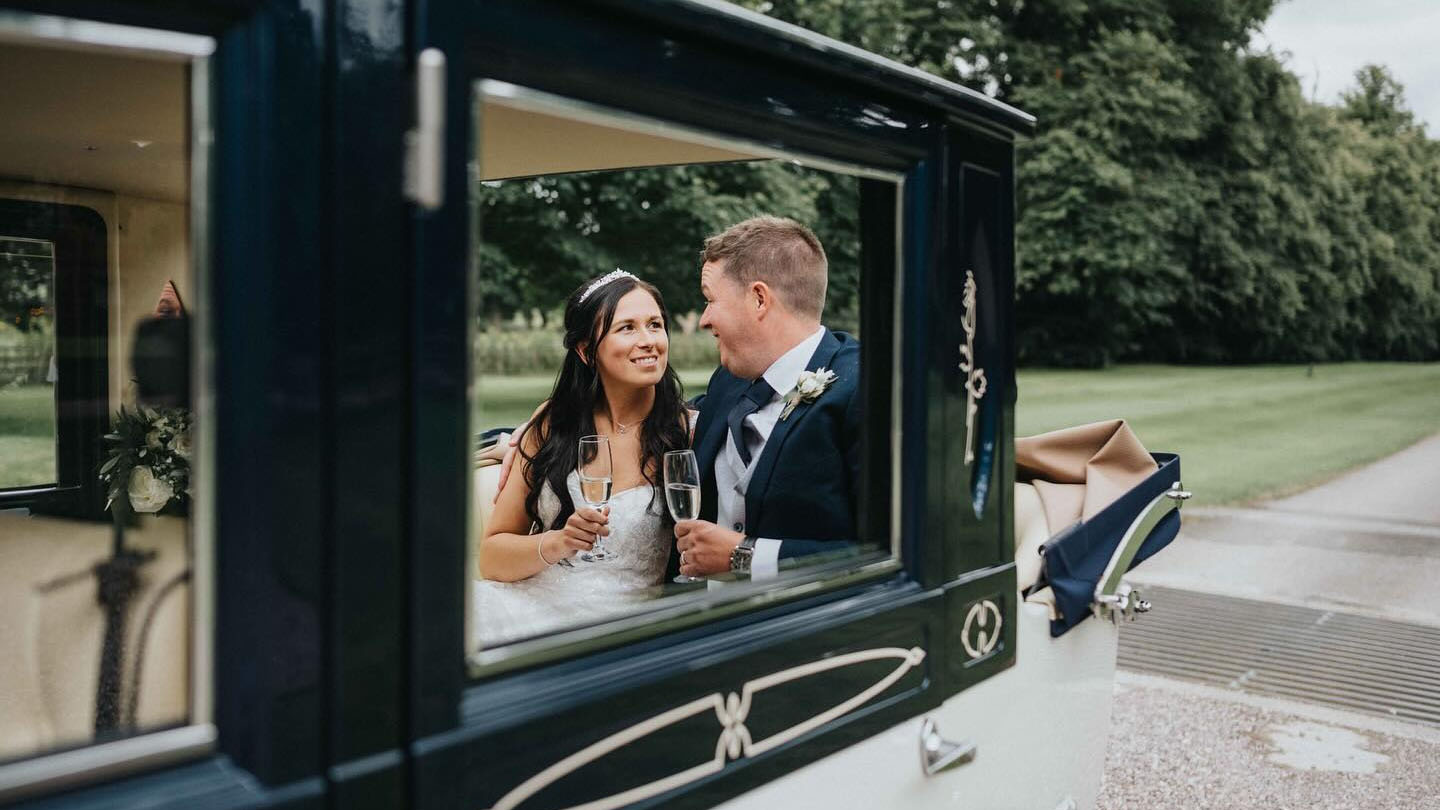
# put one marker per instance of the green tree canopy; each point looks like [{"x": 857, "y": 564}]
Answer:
[{"x": 1181, "y": 201}]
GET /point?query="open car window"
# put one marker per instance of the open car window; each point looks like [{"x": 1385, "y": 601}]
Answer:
[{"x": 575, "y": 207}]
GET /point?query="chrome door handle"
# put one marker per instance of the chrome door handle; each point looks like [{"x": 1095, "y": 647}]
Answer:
[{"x": 939, "y": 754}]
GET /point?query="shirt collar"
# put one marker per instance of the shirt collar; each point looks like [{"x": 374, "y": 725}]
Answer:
[{"x": 787, "y": 368}]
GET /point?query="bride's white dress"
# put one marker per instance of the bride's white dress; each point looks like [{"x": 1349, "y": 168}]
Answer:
[{"x": 559, "y": 596}]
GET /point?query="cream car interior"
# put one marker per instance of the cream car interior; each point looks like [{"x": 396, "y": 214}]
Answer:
[{"x": 107, "y": 132}]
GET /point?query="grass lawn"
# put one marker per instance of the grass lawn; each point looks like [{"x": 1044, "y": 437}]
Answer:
[
  {"x": 1244, "y": 433},
  {"x": 27, "y": 435},
  {"x": 1247, "y": 433}
]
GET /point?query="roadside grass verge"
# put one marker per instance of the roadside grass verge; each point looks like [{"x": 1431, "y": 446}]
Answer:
[
  {"x": 1247, "y": 433},
  {"x": 1244, "y": 433}
]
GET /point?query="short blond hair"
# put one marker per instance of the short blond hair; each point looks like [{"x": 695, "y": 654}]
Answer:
[{"x": 778, "y": 251}]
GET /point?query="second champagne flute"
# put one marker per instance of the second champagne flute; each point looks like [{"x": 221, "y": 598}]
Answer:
[
  {"x": 682, "y": 491},
  {"x": 596, "y": 479}
]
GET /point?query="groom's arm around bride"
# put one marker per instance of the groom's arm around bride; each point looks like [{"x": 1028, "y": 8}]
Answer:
[{"x": 778, "y": 435}]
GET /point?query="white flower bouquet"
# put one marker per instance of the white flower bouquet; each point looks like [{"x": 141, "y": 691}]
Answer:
[{"x": 149, "y": 460}]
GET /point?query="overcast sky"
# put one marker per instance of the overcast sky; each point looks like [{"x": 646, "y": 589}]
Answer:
[{"x": 1329, "y": 39}]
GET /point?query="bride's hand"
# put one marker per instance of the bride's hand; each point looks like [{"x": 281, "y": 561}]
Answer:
[{"x": 579, "y": 532}]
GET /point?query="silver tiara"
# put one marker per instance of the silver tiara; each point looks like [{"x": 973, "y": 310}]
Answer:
[{"x": 603, "y": 280}]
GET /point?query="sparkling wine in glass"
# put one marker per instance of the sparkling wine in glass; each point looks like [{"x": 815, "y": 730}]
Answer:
[
  {"x": 682, "y": 491},
  {"x": 596, "y": 478}
]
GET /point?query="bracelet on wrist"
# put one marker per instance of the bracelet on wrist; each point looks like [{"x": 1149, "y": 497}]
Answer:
[{"x": 540, "y": 549}]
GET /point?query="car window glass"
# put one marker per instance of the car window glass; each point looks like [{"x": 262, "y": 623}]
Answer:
[
  {"x": 643, "y": 282},
  {"x": 99, "y": 444}
]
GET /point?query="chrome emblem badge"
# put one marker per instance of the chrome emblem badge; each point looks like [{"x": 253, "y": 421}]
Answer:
[{"x": 982, "y": 629}]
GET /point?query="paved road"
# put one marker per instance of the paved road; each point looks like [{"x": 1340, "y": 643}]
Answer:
[
  {"x": 1367, "y": 542},
  {"x": 1404, "y": 487},
  {"x": 1178, "y": 744}
]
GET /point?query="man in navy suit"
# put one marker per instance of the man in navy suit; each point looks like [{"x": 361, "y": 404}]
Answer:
[{"x": 778, "y": 438}]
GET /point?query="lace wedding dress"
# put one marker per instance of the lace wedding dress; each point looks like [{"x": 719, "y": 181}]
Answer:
[{"x": 590, "y": 591}]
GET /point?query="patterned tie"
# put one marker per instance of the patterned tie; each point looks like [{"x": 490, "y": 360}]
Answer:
[{"x": 755, "y": 397}]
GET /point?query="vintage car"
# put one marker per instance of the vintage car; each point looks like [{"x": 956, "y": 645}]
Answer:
[{"x": 278, "y": 611}]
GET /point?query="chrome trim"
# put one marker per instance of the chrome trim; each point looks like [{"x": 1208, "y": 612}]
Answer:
[
  {"x": 1178, "y": 493},
  {"x": 938, "y": 754},
  {"x": 472, "y": 383},
  {"x": 64, "y": 32},
  {"x": 682, "y": 611},
  {"x": 97, "y": 762},
  {"x": 202, "y": 357},
  {"x": 52, "y": 771},
  {"x": 1115, "y": 598},
  {"x": 425, "y": 144}
]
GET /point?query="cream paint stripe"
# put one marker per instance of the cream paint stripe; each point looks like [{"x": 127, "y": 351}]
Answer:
[
  {"x": 815, "y": 667},
  {"x": 732, "y": 723},
  {"x": 599, "y": 749},
  {"x": 912, "y": 657}
]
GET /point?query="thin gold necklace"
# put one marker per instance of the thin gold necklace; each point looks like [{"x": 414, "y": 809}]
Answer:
[{"x": 621, "y": 427}]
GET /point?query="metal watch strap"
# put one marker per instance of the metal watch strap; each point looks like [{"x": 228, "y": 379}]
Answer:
[{"x": 742, "y": 554}]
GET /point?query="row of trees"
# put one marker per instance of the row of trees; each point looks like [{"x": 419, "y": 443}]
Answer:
[
  {"x": 1182, "y": 201},
  {"x": 542, "y": 237}
]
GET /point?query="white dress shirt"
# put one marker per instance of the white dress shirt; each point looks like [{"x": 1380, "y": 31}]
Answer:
[{"x": 732, "y": 476}]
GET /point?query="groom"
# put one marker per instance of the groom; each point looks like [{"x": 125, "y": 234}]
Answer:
[{"x": 778, "y": 438}]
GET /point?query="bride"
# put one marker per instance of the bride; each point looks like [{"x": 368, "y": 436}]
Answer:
[{"x": 616, "y": 382}]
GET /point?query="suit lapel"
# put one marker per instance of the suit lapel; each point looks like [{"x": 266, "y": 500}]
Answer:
[{"x": 770, "y": 455}]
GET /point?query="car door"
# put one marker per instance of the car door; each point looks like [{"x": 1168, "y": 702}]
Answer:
[{"x": 692, "y": 705}]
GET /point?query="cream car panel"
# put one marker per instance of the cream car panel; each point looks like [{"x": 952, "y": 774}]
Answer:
[{"x": 1040, "y": 729}]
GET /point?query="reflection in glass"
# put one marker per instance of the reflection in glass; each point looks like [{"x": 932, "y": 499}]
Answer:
[
  {"x": 27, "y": 361},
  {"x": 96, "y": 430},
  {"x": 570, "y": 201}
]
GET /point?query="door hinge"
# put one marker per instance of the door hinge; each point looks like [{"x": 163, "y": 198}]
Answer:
[{"x": 425, "y": 144}]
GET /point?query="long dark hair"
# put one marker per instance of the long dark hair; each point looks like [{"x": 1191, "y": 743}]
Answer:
[{"x": 570, "y": 411}]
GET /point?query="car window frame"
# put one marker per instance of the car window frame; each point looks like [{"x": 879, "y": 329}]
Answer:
[
  {"x": 52, "y": 771},
  {"x": 684, "y": 611}
]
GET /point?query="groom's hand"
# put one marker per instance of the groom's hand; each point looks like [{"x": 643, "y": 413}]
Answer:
[{"x": 704, "y": 547}]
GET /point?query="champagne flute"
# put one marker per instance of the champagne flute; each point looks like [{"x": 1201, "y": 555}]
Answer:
[
  {"x": 682, "y": 491},
  {"x": 596, "y": 479}
]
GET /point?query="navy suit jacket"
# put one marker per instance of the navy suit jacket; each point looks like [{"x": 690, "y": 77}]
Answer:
[{"x": 804, "y": 490}]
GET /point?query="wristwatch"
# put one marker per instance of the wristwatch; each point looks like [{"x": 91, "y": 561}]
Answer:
[{"x": 742, "y": 554}]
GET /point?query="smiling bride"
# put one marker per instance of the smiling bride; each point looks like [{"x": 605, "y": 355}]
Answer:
[{"x": 615, "y": 382}]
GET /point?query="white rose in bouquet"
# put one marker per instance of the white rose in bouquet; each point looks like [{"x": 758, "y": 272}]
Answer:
[
  {"x": 148, "y": 494},
  {"x": 180, "y": 445}
]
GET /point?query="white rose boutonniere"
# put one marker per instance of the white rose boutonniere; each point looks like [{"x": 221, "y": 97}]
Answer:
[
  {"x": 808, "y": 388},
  {"x": 148, "y": 494}
]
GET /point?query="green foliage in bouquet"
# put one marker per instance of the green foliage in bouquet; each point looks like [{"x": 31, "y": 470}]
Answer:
[{"x": 149, "y": 460}]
